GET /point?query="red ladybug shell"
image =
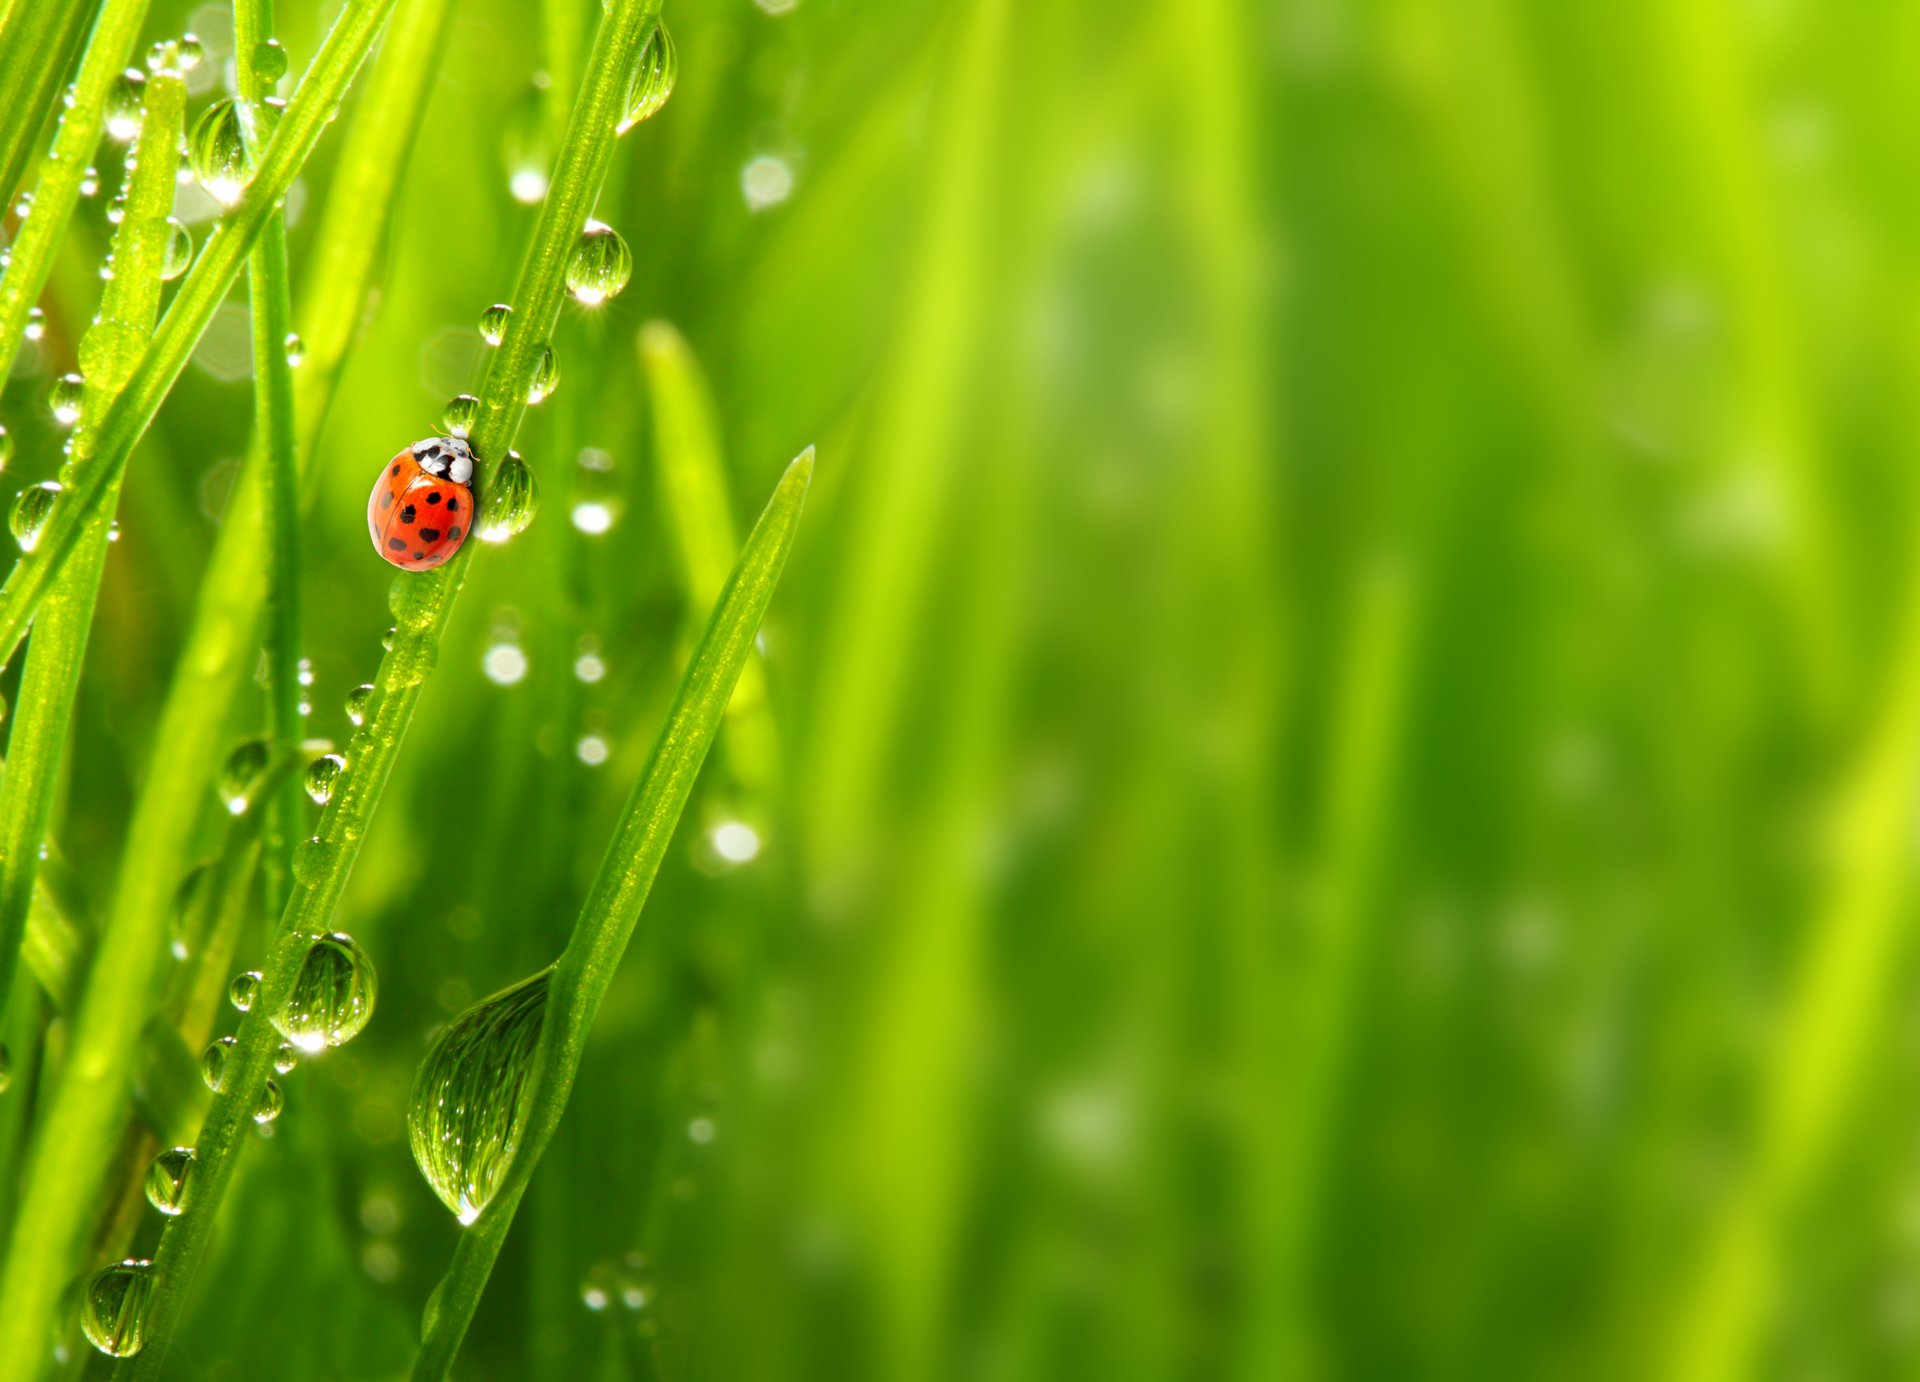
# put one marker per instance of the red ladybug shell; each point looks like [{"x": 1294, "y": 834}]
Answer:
[{"x": 417, "y": 519}]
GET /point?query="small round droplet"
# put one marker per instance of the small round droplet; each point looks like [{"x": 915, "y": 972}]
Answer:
[
  {"x": 114, "y": 1309},
  {"x": 36, "y": 326},
  {"x": 460, "y": 413},
  {"x": 296, "y": 349},
  {"x": 505, "y": 663},
  {"x": 652, "y": 78},
  {"x": 179, "y": 55},
  {"x": 332, "y": 997},
  {"x": 66, "y": 398},
  {"x": 244, "y": 986},
  {"x": 179, "y": 251},
  {"x": 167, "y": 1180},
  {"x": 270, "y": 60},
  {"x": 512, "y": 499},
  {"x": 31, "y": 511},
  {"x": 546, "y": 376},
  {"x": 285, "y": 1058},
  {"x": 322, "y": 773},
  {"x": 493, "y": 323},
  {"x": 90, "y": 183},
  {"x": 213, "y": 1063},
  {"x": 217, "y": 152},
  {"x": 599, "y": 266},
  {"x": 271, "y": 1102},
  {"x": 125, "y": 105},
  {"x": 766, "y": 181},
  {"x": 357, "y": 703},
  {"x": 240, "y": 777}
]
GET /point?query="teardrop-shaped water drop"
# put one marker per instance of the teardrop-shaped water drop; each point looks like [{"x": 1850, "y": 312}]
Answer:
[
  {"x": 117, "y": 208},
  {"x": 599, "y": 266},
  {"x": 31, "y": 511},
  {"x": 322, "y": 773},
  {"x": 167, "y": 1180},
  {"x": 285, "y": 1058},
  {"x": 217, "y": 151},
  {"x": 179, "y": 55},
  {"x": 114, "y": 1310},
  {"x": 296, "y": 349},
  {"x": 110, "y": 351},
  {"x": 213, "y": 1063},
  {"x": 512, "y": 499},
  {"x": 125, "y": 105},
  {"x": 357, "y": 703},
  {"x": 192, "y": 50},
  {"x": 546, "y": 376},
  {"x": 36, "y": 326},
  {"x": 90, "y": 183},
  {"x": 66, "y": 398},
  {"x": 241, "y": 774},
  {"x": 467, "y": 1110},
  {"x": 243, "y": 988},
  {"x": 269, "y": 60},
  {"x": 493, "y": 323},
  {"x": 652, "y": 78},
  {"x": 460, "y": 413},
  {"x": 271, "y": 1102},
  {"x": 332, "y": 997},
  {"x": 179, "y": 251}
]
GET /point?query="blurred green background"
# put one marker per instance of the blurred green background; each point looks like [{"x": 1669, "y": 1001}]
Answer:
[{"x": 1347, "y": 707}]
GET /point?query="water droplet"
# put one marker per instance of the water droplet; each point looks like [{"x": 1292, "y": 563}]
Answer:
[
  {"x": 599, "y": 266},
  {"x": 546, "y": 376},
  {"x": 633, "y": 1281},
  {"x": 36, "y": 326},
  {"x": 493, "y": 323},
  {"x": 90, "y": 183},
  {"x": 652, "y": 78},
  {"x": 296, "y": 349},
  {"x": 117, "y": 208},
  {"x": 511, "y": 501},
  {"x": 504, "y": 663},
  {"x": 592, "y": 518},
  {"x": 527, "y": 185},
  {"x": 110, "y": 351},
  {"x": 270, "y": 60},
  {"x": 465, "y": 1115},
  {"x": 271, "y": 1102},
  {"x": 357, "y": 703},
  {"x": 593, "y": 750},
  {"x": 213, "y": 1063},
  {"x": 124, "y": 105},
  {"x": 6, "y": 448},
  {"x": 180, "y": 55},
  {"x": 66, "y": 398},
  {"x": 460, "y": 413},
  {"x": 244, "y": 986},
  {"x": 167, "y": 1180},
  {"x": 285, "y": 1058},
  {"x": 589, "y": 666},
  {"x": 179, "y": 251},
  {"x": 766, "y": 181},
  {"x": 241, "y": 774},
  {"x": 386, "y": 639},
  {"x": 31, "y": 511},
  {"x": 23, "y": 208},
  {"x": 332, "y": 997},
  {"x": 217, "y": 151},
  {"x": 322, "y": 773},
  {"x": 736, "y": 842},
  {"x": 114, "y": 1310}
]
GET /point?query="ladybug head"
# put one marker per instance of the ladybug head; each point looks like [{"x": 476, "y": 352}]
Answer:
[{"x": 450, "y": 457}]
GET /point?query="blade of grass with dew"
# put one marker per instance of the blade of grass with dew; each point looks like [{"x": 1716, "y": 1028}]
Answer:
[
  {"x": 421, "y": 604},
  {"x": 586, "y": 967},
  {"x": 274, "y": 456},
  {"x": 74, "y": 1142},
  {"x": 129, "y": 305},
  {"x": 39, "y": 38},
  {"x": 692, "y": 479},
  {"x": 206, "y": 286},
  {"x": 58, "y": 188}
]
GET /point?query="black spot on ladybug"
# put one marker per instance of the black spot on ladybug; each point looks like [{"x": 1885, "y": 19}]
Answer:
[
  {"x": 453, "y": 534},
  {"x": 429, "y": 534},
  {"x": 396, "y": 469},
  {"x": 407, "y": 515},
  {"x": 419, "y": 556},
  {"x": 386, "y": 499},
  {"x": 433, "y": 497},
  {"x": 453, "y": 506},
  {"x": 396, "y": 544}
]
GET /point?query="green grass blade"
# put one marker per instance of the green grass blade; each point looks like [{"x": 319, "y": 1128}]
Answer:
[
  {"x": 586, "y": 967},
  {"x": 39, "y": 38}
]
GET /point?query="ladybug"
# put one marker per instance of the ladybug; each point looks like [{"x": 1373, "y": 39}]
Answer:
[{"x": 421, "y": 508}]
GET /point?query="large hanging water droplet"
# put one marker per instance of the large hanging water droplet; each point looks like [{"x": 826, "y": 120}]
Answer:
[
  {"x": 357, "y": 703},
  {"x": 167, "y": 1180},
  {"x": 66, "y": 398},
  {"x": 125, "y": 105},
  {"x": 241, "y": 775},
  {"x": 599, "y": 266},
  {"x": 512, "y": 499},
  {"x": 213, "y": 1063},
  {"x": 460, "y": 413},
  {"x": 322, "y": 773},
  {"x": 467, "y": 1110},
  {"x": 493, "y": 323},
  {"x": 332, "y": 997},
  {"x": 31, "y": 511},
  {"x": 269, "y": 60},
  {"x": 271, "y": 1102},
  {"x": 243, "y": 988},
  {"x": 546, "y": 376},
  {"x": 110, "y": 351},
  {"x": 652, "y": 78},
  {"x": 114, "y": 1310},
  {"x": 217, "y": 151},
  {"x": 179, "y": 251}
]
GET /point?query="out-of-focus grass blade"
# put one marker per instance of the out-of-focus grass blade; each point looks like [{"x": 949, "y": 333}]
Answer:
[{"x": 39, "y": 38}]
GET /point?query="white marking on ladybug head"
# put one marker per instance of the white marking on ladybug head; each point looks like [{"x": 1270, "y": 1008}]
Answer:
[
  {"x": 446, "y": 457},
  {"x": 460, "y": 468}
]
